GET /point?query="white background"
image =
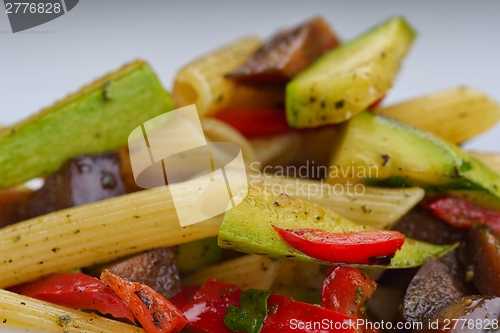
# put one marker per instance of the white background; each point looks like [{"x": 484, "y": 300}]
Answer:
[{"x": 458, "y": 43}]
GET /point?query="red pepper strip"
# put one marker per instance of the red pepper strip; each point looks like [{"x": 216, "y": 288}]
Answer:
[
  {"x": 78, "y": 291},
  {"x": 346, "y": 289},
  {"x": 184, "y": 296},
  {"x": 376, "y": 104},
  {"x": 461, "y": 214},
  {"x": 361, "y": 247},
  {"x": 152, "y": 310},
  {"x": 206, "y": 311},
  {"x": 286, "y": 315},
  {"x": 256, "y": 121}
]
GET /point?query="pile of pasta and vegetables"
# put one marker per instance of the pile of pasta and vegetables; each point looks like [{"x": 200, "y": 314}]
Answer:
[{"x": 355, "y": 213}]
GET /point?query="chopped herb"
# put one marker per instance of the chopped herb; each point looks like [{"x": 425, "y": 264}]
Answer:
[
  {"x": 339, "y": 104},
  {"x": 17, "y": 238},
  {"x": 64, "y": 320},
  {"x": 465, "y": 166},
  {"x": 77, "y": 231},
  {"x": 250, "y": 316}
]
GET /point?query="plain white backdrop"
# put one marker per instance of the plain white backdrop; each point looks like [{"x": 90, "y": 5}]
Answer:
[{"x": 457, "y": 44}]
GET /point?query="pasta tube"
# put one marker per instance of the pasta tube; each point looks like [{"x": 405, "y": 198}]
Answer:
[
  {"x": 17, "y": 311},
  {"x": 203, "y": 81},
  {"x": 277, "y": 149},
  {"x": 95, "y": 233},
  {"x": 491, "y": 160},
  {"x": 379, "y": 208},
  {"x": 249, "y": 271},
  {"x": 455, "y": 114}
]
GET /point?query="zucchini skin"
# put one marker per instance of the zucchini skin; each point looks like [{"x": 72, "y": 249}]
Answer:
[{"x": 98, "y": 118}]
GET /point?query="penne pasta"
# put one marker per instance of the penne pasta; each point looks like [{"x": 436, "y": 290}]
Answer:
[
  {"x": 277, "y": 149},
  {"x": 218, "y": 131},
  {"x": 17, "y": 311},
  {"x": 377, "y": 207},
  {"x": 249, "y": 271},
  {"x": 490, "y": 159},
  {"x": 455, "y": 114},
  {"x": 95, "y": 233},
  {"x": 203, "y": 81}
]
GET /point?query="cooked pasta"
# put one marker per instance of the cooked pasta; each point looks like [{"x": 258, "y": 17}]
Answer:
[
  {"x": 249, "y": 271},
  {"x": 277, "y": 149},
  {"x": 95, "y": 233},
  {"x": 490, "y": 159},
  {"x": 202, "y": 82},
  {"x": 455, "y": 114},
  {"x": 17, "y": 311},
  {"x": 377, "y": 207}
]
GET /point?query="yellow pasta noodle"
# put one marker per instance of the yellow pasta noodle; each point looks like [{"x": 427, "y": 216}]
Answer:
[
  {"x": 490, "y": 159},
  {"x": 94, "y": 233},
  {"x": 202, "y": 82},
  {"x": 455, "y": 114},
  {"x": 17, "y": 311},
  {"x": 377, "y": 207},
  {"x": 249, "y": 271}
]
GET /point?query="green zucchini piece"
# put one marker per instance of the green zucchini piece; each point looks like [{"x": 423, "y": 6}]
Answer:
[
  {"x": 198, "y": 254},
  {"x": 248, "y": 228},
  {"x": 349, "y": 78},
  {"x": 380, "y": 151},
  {"x": 97, "y": 118}
]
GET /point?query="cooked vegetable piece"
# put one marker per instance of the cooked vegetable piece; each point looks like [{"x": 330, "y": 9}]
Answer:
[
  {"x": 251, "y": 313},
  {"x": 184, "y": 296},
  {"x": 286, "y": 315},
  {"x": 153, "y": 311},
  {"x": 455, "y": 114},
  {"x": 467, "y": 314},
  {"x": 13, "y": 205},
  {"x": 155, "y": 268},
  {"x": 22, "y": 313},
  {"x": 461, "y": 214},
  {"x": 198, "y": 254},
  {"x": 248, "y": 227},
  {"x": 346, "y": 289},
  {"x": 491, "y": 160},
  {"x": 431, "y": 290},
  {"x": 376, "y": 150},
  {"x": 81, "y": 180},
  {"x": 349, "y": 78},
  {"x": 371, "y": 247},
  {"x": 483, "y": 254},
  {"x": 206, "y": 311},
  {"x": 96, "y": 119},
  {"x": 420, "y": 224},
  {"x": 287, "y": 53},
  {"x": 257, "y": 121},
  {"x": 77, "y": 291}
]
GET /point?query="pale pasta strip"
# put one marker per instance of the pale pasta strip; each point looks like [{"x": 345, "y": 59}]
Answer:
[
  {"x": 377, "y": 207},
  {"x": 218, "y": 131},
  {"x": 32, "y": 315},
  {"x": 490, "y": 159},
  {"x": 249, "y": 271},
  {"x": 277, "y": 149},
  {"x": 455, "y": 114},
  {"x": 202, "y": 82},
  {"x": 95, "y": 233}
]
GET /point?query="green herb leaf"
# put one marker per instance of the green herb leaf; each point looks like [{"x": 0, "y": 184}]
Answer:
[{"x": 251, "y": 314}]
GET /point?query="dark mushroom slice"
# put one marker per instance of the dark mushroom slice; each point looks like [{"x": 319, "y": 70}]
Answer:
[
  {"x": 13, "y": 205},
  {"x": 420, "y": 224},
  {"x": 483, "y": 257},
  {"x": 82, "y": 180},
  {"x": 156, "y": 268},
  {"x": 431, "y": 289},
  {"x": 287, "y": 53},
  {"x": 467, "y": 314}
]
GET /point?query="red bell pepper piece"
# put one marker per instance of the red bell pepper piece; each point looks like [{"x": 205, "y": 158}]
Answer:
[
  {"x": 346, "y": 289},
  {"x": 360, "y": 247},
  {"x": 152, "y": 310},
  {"x": 78, "y": 291},
  {"x": 287, "y": 315},
  {"x": 376, "y": 104},
  {"x": 184, "y": 296},
  {"x": 256, "y": 121},
  {"x": 205, "y": 313},
  {"x": 461, "y": 214}
]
